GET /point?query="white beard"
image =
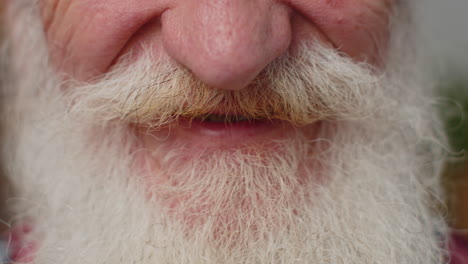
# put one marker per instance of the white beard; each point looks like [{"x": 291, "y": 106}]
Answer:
[{"x": 74, "y": 180}]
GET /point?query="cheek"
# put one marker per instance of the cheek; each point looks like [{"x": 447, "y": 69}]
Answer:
[
  {"x": 359, "y": 28},
  {"x": 84, "y": 36}
]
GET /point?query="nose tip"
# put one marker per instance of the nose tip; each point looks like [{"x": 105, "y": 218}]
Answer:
[{"x": 225, "y": 43}]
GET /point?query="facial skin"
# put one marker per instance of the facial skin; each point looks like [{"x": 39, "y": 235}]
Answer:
[
  {"x": 226, "y": 44},
  {"x": 243, "y": 131}
]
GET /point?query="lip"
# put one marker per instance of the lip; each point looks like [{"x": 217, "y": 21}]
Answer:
[
  {"x": 198, "y": 134},
  {"x": 193, "y": 140},
  {"x": 232, "y": 131}
]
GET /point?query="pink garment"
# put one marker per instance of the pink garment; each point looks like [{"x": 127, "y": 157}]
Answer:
[{"x": 458, "y": 248}]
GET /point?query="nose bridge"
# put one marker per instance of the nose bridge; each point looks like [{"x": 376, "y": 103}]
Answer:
[{"x": 226, "y": 43}]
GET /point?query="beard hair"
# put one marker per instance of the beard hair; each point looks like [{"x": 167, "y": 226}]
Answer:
[{"x": 366, "y": 199}]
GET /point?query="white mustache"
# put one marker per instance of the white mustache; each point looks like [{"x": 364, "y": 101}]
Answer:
[{"x": 315, "y": 84}]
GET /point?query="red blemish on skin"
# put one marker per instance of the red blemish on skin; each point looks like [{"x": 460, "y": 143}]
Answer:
[
  {"x": 339, "y": 20},
  {"x": 333, "y": 3},
  {"x": 19, "y": 248}
]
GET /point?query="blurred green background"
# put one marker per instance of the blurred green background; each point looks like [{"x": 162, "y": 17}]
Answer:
[
  {"x": 453, "y": 90},
  {"x": 446, "y": 30}
]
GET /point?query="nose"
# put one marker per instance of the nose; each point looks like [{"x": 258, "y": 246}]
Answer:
[{"x": 226, "y": 43}]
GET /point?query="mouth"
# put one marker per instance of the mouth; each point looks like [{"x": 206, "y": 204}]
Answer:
[
  {"x": 227, "y": 127},
  {"x": 226, "y": 119},
  {"x": 216, "y": 129},
  {"x": 201, "y": 135}
]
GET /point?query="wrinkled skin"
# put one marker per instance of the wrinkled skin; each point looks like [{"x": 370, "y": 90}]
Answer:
[{"x": 225, "y": 43}]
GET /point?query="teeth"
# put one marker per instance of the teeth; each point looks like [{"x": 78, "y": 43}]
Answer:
[
  {"x": 242, "y": 118},
  {"x": 216, "y": 118},
  {"x": 225, "y": 118}
]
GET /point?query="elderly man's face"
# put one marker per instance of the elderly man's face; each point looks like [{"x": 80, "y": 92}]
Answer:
[
  {"x": 225, "y": 45},
  {"x": 214, "y": 131}
]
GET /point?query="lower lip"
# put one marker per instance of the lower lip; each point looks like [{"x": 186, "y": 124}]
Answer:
[
  {"x": 240, "y": 129},
  {"x": 203, "y": 135},
  {"x": 234, "y": 134},
  {"x": 194, "y": 139}
]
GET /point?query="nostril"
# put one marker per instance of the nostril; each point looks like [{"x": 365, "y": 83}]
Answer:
[{"x": 229, "y": 77}]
